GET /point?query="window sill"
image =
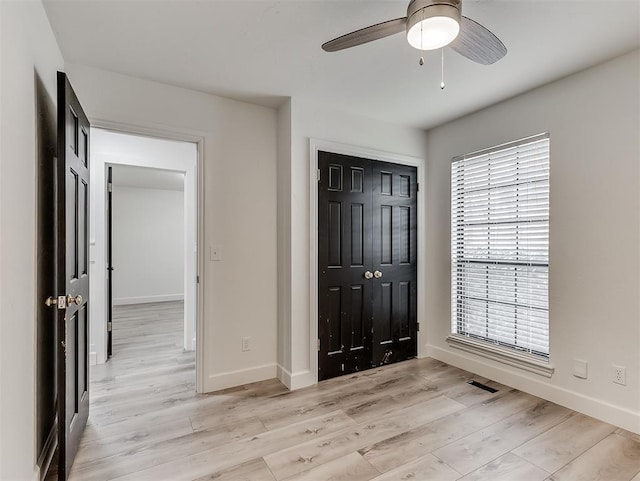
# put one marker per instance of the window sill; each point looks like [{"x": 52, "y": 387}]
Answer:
[{"x": 501, "y": 354}]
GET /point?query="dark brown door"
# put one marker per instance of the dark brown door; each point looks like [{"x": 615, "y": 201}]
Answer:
[
  {"x": 72, "y": 273},
  {"x": 395, "y": 245},
  {"x": 344, "y": 254},
  {"x": 367, "y": 283},
  {"x": 109, "y": 261}
]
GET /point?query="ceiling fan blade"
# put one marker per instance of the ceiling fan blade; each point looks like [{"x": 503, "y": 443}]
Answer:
[
  {"x": 367, "y": 34},
  {"x": 477, "y": 43}
]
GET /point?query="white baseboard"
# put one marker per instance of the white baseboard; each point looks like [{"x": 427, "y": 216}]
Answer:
[
  {"x": 296, "y": 380},
  {"x": 123, "y": 301},
  {"x": 225, "y": 380},
  {"x": 596, "y": 408}
]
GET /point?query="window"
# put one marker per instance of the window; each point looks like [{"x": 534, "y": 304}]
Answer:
[{"x": 500, "y": 247}]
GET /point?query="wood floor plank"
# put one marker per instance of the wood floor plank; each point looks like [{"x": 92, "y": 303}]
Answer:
[
  {"x": 109, "y": 414},
  {"x": 410, "y": 445},
  {"x": 507, "y": 468},
  {"x": 150, "y": 454},
  {"x": 615, "y": 458},
  {"x": 97, "y": 446},
  {"x": 358, "y": 390},
  {"x": 628, "y": 434},
  {"x": 254, "y": 470},
  {"x": 238, "y": 452},
  {"x": 302, "y": 457},
  {"x": 351, "y": 467},
  {"x": 424, "y": 468},
  {"x": 560, "y": 445},
  {"x": 477, "y": 449}
]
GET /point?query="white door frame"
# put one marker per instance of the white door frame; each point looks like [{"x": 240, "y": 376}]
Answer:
[
  {"x": 198, "y": 176},
  {"x": 316, "y": 145}
]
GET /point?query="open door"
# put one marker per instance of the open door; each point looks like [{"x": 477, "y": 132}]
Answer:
[
  {"x": 72, "y": 273},
  {"x": 109, "y": 261}
]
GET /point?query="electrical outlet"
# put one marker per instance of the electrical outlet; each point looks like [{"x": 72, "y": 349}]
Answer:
[
  {"x": 620, "y": 375},
  {"x": 246, "y": 344}
]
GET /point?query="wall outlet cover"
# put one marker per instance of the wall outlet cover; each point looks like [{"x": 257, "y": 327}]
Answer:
[
  {"x": 580, "y": 368},
  {"x": 620, "y": 375}
]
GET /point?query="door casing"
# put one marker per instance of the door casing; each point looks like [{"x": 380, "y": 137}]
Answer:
[
  {"x": 197, "y": 138},
  {"x": 316, "y": 145}
]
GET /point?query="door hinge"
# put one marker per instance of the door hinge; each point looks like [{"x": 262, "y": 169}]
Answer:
[
  {"x": 318, "y": 344},
  {"x": 318, "y": 175},
  {"x": 109, "y": 326},
  {"x": 418, "y": 187},
  {"x": 417, "y": 326},
  {"x": 197, "y": 279},
  {"x": 110, "y": 187}
]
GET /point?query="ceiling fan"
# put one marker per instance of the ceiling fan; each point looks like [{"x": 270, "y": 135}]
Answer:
[{"x": 429, "y": 25}]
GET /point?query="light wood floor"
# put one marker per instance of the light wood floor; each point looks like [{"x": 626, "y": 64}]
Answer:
[{"x": 417, "y": 420}]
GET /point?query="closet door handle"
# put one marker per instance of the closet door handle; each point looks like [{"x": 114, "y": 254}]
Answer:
[
  {"x": 377, "y": 274},
  {"x": 368, "y": 275},
  {"x": 77, "y": 300}
]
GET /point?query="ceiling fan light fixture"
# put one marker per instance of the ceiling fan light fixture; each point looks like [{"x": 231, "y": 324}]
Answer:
[{"x": 433, "y": 25}]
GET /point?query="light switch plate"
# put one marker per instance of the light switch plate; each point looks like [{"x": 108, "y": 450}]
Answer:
[{"x": 580, "y": 368}]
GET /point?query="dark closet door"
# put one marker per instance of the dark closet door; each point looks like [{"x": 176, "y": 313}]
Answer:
[
  {"x": 367, "y": 285},
  {"x": 395, "y": 271},
  {"x": 344, "y": 254},
  {"x": 72, "y": 273}
]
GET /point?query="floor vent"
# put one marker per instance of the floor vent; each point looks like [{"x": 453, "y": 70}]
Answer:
[{"x": 482, "y": 386}]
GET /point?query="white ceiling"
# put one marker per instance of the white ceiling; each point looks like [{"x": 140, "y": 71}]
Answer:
[
  {"x": 264, "y": 51},
  {"x": 147, "y": 178}
]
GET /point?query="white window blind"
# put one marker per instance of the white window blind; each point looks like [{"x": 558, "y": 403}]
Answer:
[{"x": 500, "y": 245}]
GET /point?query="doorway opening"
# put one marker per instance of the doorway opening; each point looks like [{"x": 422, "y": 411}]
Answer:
[
  {"x": 144, "y": 249},
  {"x": 145, "y": 240}
]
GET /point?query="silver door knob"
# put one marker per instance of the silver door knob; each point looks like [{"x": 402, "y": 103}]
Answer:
[
  {"x": 74, "y": 300},
  {"x": 377, "y": 274},
  {"x": 368, "y": 275}
]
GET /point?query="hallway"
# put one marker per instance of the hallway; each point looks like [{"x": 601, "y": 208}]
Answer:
[{"x": 149, "y": 370}]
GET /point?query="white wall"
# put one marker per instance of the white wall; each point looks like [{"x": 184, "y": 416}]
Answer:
[
  {"x": 27, "y": 50},
  {"x": 239, "y": 178},
  {"x": 593, "y": 118},
  {"x": 148, "y": 245},
  {"x": 314, "y": 121}
]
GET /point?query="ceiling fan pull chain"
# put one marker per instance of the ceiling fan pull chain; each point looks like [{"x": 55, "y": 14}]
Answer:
[
  {"x": 442, "y": 71},
  {"x": 421, "y": 62}
]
